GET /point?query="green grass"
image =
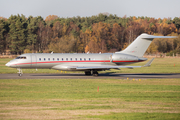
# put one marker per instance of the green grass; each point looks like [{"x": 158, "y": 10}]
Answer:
[
  {"x": 159, "y": 65},
  {"x": 139, "y": 116},
  {"x": 157, "y": 99},
  {"x": 79, "y": 99}
]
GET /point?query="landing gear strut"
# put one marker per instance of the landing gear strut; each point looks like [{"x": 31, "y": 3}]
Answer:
[{"x": 20, "y": 72}]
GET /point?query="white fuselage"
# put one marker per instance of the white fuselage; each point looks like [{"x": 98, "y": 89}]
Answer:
[{"x": 63, "y": 60}]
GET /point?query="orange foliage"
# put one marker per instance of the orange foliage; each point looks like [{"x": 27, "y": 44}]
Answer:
[
  {"x": 86, "y": 49},
  {"x": 3, "y": 18},
  {"x": 51, "y": 17}
]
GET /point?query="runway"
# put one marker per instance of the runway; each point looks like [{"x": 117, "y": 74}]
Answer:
[{"x": 101, "y": 76}]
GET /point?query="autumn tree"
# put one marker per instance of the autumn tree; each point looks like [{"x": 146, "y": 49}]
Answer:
[
  {"x": 3, "y": 35},
  {"x": 33, "y": 27},
  {"x": 99, "y": 33},
  {"x": 41, "y": 37},
  {"x": 117, "y": 38},
  {"x": 64, "y": 44},
  {"x": 51, "y": 17},
  {"x": 176, "y": 21},
  {"x": 17, "y": 33},
  {"x": 133, "y": 30}
]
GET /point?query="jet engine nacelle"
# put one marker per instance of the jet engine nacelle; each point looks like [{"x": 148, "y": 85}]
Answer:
[{"x": 121, "y": 59}]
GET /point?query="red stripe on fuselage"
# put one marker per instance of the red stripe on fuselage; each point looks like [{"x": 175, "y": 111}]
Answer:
[{"x": 78, "y": 61}]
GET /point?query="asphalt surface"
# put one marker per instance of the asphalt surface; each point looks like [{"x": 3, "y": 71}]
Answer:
[{"x": 101, "y": 76}]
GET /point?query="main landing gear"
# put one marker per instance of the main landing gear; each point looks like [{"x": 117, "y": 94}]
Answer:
[
  {"x": 20, "y": 72},
  {"x": 92, "y": 72},
  {"x": 95, "y": 73}
]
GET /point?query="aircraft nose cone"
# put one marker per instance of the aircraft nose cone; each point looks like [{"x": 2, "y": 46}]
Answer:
[
  {"x": 11, "y": 63},
  {"x": 7, "y": 64}
]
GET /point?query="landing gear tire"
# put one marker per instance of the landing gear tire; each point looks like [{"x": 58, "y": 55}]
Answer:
[
  {"x": 20, "y": 74},
  {"x": 95, "y": 73}
]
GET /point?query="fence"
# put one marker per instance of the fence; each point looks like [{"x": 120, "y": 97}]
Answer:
[{"x": 8, "y": 56}]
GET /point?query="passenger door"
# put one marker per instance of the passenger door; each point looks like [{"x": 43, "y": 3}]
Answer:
[{"x": 33, "y": 61}]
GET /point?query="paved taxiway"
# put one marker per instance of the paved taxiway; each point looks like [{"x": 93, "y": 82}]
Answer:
[{"x": 82, "y": 76}]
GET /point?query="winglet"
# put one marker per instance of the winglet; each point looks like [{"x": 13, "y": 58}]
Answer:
[{"x": 148, "y": 63}]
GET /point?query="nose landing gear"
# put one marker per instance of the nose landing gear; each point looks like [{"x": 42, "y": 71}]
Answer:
[{"x": 20, "y": 72}]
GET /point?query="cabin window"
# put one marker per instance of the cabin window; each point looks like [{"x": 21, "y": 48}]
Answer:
[
  {"x": 62, "y": 59},
  {"x": 44, "y": 59},
  {"x": 71, "y": 59},
  {"x": 39, "y": 59},
  {"x": 48, "y": 58},
  {"x": 57, "y": 59},
  {"x": 53, "y": 58},
  {"x": 89, "y": 58},
  {"x": 84, "y": 59},
  {"x": 21, "y": 58},
  {"x": 76, "y": 59},
  {"x": 66, "y": 59},
  {"x": 80, "y": 58}
]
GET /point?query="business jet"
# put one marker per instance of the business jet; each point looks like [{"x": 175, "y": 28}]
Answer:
[{"x": 90, "y": 63}]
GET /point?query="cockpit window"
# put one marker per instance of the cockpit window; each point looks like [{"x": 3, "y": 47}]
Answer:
[{"x": 21, "y": 57}]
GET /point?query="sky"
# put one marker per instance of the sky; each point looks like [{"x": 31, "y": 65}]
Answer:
[{"x": 73, "y": 8}]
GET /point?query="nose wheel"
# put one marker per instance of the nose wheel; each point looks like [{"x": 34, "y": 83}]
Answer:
[{"x": 20, "y": 72}]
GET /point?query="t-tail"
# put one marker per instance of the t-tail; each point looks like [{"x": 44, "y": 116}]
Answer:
[{"x": 139, "y": 46}]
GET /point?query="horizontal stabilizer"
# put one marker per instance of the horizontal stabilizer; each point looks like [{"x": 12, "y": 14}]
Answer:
[{"x": 150, "y": 37}]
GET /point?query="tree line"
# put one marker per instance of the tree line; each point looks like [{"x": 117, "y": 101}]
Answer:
[{"x": 100, "y": 33}]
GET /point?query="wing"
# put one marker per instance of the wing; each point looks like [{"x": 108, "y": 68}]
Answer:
[
  {"x": 102, "y": 67},
  {"x": 79, "y": 68}
]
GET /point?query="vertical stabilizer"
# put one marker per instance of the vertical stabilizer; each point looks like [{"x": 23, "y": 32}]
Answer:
[{"x": 139, "y": 46}]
